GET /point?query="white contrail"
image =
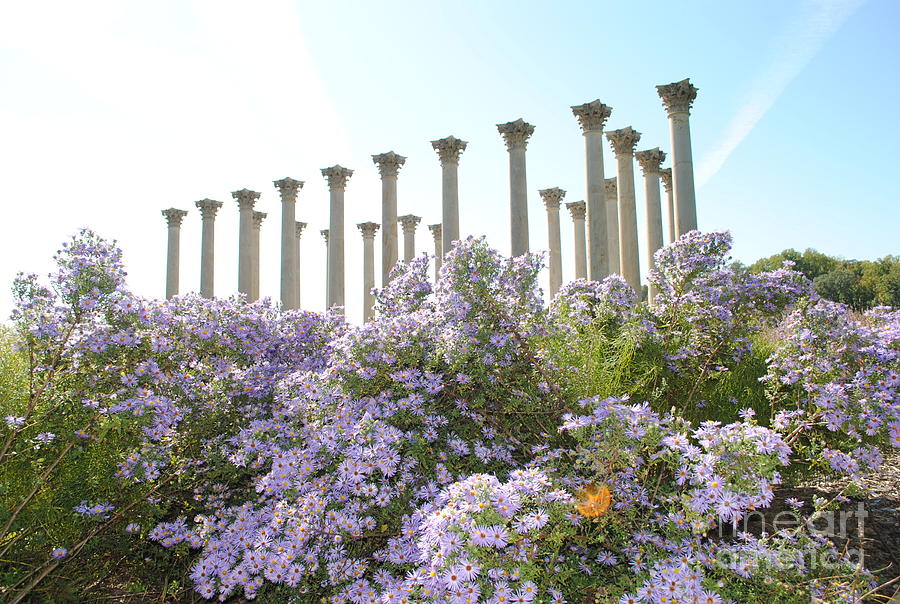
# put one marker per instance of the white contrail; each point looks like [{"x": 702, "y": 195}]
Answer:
[{"x": 802, "y": 40}]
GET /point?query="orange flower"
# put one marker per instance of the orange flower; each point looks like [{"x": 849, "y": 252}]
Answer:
[{"x": 592, "y": 500}]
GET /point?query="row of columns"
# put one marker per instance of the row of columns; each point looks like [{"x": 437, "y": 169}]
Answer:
[{"x": 605, "y": 241}]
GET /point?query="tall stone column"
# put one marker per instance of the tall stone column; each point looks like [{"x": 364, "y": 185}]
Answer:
[
  {"x": 298, "y": 231},
  {"x": 246, "y": 199},
  {"x": 650, "y": 162},
  {"x": 324, "y": 233},
  {"x": 612, "y": 224},
  {"x": 449, "y": 149},
  {"x": 578, "y": 210},
  {"x": 337, "y": 181},
  {"x": 677, "y": 99},
  {"x": 368, "y": 230},
  {"x": 258, "y": 218},
  {"x": 208, "y": 209},
  {"x": 552, "y": 198},
  {"x": 389, "y": 165},
  {"x": 409, "y": 223},
  {"x": 438, "y": 249},
  {"x": 666, "y": 176},
  {"x": 173, "y": 249},
  {"x": 288, "y": 188},
  {"x": 592, "y": 117},
  {"x": 623, "y": 142},
  {"x": 515, "y": 135}
]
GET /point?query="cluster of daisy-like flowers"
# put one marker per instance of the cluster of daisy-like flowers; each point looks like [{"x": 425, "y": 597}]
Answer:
[
  {"x": 583, "y": 302},
  {"x": 836, "y": 380}
]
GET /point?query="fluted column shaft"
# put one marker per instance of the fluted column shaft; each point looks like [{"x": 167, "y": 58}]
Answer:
[
  {"x": 409, "y": 223},
  {"x": 666, "y": 176},
  {"x": 258, "y": 218},
  {"x": 208, "y": 209},
  {"x": 324, "y": 233},
  {"x": 623, "y": 142},
  {"x": 612, "y": 224},
  {"x": 677, "y": 98},
  {"x": 578, "y": 209},
  {"x": 288, "y": 189},
  {"x": 650, "y": 161},
  {"x": 449, "y": 149},
  {"x": 246, "y": 200},
  {"x": 389, "y": 165},
  {"x": 298, "y": 231},
  {"x": 173, "y": 249},
  {"x": 368, "y": 230},
  {"x": 516, "y": 135},
  {"x": 337, "y": 181},
  {"x": 552, "y": 198},
  {"x": 438, "y": 245},
  {"x": 592, "y": 117}
]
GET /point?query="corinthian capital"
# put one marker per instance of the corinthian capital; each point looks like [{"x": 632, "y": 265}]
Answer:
[
  {"x": 666, "y": 175},
  {"x": 258, "y": 218},
  {"x": 436, "y": 230},
  {"x": 409, "y": 222},
  {"x": 174, "y": 216},
  {"x": 592, "y": 116},
  {"x": 516, "y": 134},
  {"x": 245, "y": 198},
  {"x": 288, "y": 188},
  {"x": 577, "y": 209},
  {"x": 552, "y": 197},
  {"x": 389, "y": 164},
  {"x": 367, "y": 229},
  {"x": 449, "y": 149},
  {"x": 650, "y": 160},
  {"x": 337, "y": 177},
  {"x": 678, "y": 97},
  {"x": 623, "y": 140},
  {"x": 208, "y": 208},
  {"x": 324, "y": 234},
  {"x": 612, "y": 188},
  {"x": 299, "y": 226}
]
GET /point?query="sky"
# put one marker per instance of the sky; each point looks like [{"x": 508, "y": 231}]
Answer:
[{"x": 113, "y": 111}]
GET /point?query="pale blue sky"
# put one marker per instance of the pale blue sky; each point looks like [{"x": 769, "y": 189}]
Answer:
[{"x": 112, "y": 111}]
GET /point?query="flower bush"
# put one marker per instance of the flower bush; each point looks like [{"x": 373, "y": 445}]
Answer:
[{"x": 443, "y": 451}]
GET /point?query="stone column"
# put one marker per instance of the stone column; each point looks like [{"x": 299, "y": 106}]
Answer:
[
  {"x": 389, "y": 165},
  {"x": 438, "y": 254},
  {"x": 368, "y": 232},
  {"x": 623, "y": 142},
  {"x": 592, "y": 117},
  {"x": 208, "y": 209},
  {"x": 677, "y": 99},
  {"x": 298, "y": 231},
  {"x": 666, "y": 175},
  {"x": 650, "y": 162},
  {"x": 246, "y": 199},
  {"x": 324, "y": 233},
  {"x": 449, "y": 149},
  {"x": 515, "y": 135},
  {"x": 173, "y": 249},
  {"x": 409, "y": 223},
  {"x": 612, "y": 225},
  {"x": 288, "y": 188},
  {"x": 337, "y": 181},
  {"x": 552, "y": 198},
  {"x": 578, "y": 210},
  {"x": 258, "y": 218}
]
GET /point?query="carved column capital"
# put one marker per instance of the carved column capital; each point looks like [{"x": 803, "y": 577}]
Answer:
[
  {"x": 436, "y": 230},
  {"x": 389, "y": 164},
  {"x": 612, "y": 187},
  {"x": 324, "y": 234},
  {"x": 337, "y": 177},
  {"x": 299, "y": 226},
  {"x": 245, "y": 198},
  {"x": 552, "y": 197},
  {"x": 666, "y": 176},
  {"x": 516, "y": 134},
  {"x": 449, "y": 149},
  {"x": 258, "y": 218},
  {"x": 174, "y": 216},
  {"x": 678, "y": 97},
  {"x": 288, "y": 188},
  {"x": 409, "y": 222},
  {"x": 592, "y": 116},
  {"x": 623, "y": 140},
  {"x": 578, "y": 210},
  {"x": 208, "y": 208},
  {"x": 367, "y": 229},
  {"x": 650, "y": 160}
]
